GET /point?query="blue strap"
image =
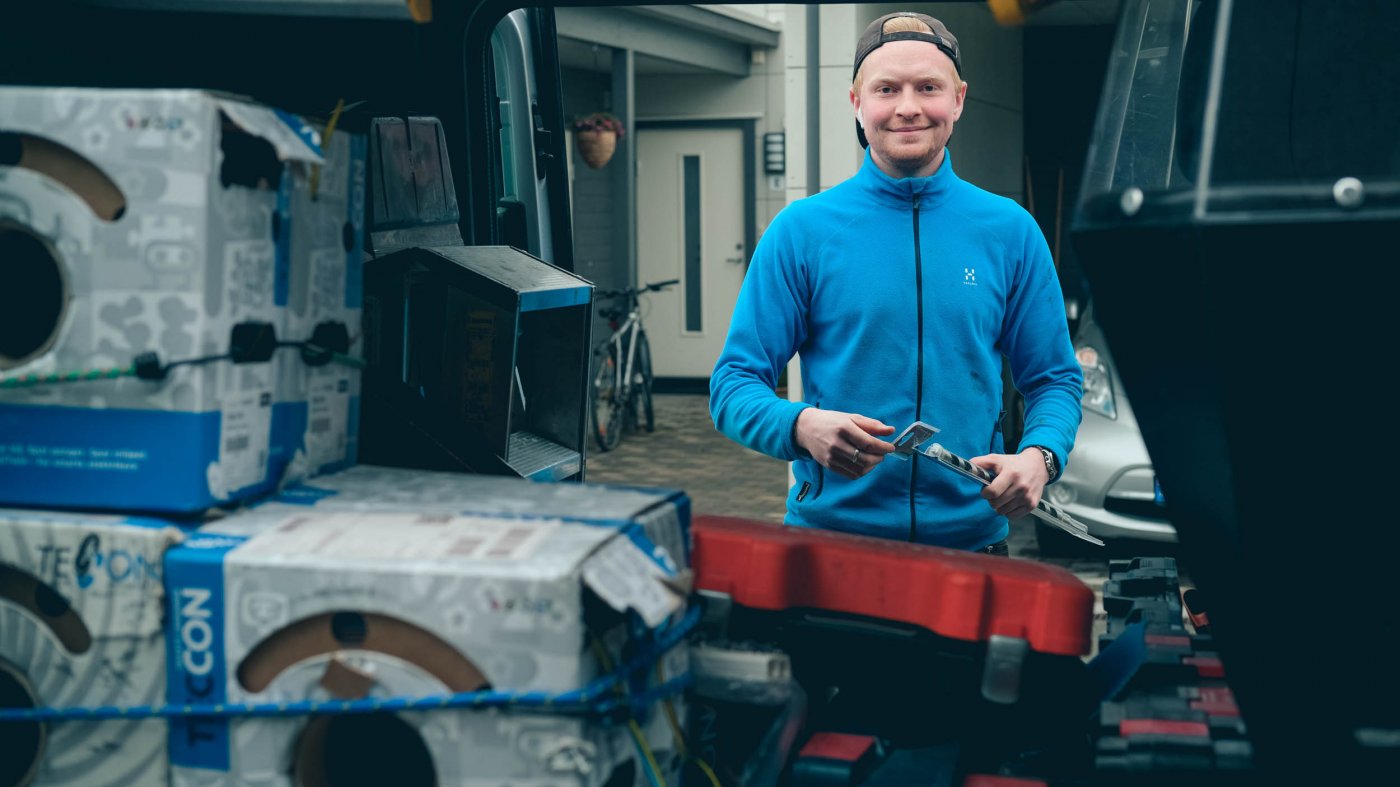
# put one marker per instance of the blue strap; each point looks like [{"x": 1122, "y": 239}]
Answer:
[{"x": 596, "y": 698}]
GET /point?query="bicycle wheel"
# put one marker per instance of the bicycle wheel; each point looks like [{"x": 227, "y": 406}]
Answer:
[
  {"x": 607, "y": 412},
  {"x": 642, "y": 380}
]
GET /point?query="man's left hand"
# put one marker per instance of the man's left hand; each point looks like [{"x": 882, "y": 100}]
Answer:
[{"x": 1020, "y": 480}]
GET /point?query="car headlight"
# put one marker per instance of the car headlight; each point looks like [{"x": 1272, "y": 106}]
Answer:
[{"x": 1098, "y": 385}]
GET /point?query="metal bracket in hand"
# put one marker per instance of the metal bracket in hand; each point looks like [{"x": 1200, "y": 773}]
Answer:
[{"x": 907, "y": 445}]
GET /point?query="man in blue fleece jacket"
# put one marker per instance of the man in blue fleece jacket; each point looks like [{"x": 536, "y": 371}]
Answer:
[{"x": 901, "y": 289}]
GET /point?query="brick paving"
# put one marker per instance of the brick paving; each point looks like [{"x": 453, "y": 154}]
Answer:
[
  {"x": 726, "y": 479},
  {"x": 686, "y": 452}
]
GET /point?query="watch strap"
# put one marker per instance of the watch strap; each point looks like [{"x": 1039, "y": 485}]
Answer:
[{"x": 1052, "y": 467}]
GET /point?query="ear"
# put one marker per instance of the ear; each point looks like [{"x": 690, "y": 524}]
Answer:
[
  {"x": 958, "y": 103},
  {"x": 855, "y": 105}
]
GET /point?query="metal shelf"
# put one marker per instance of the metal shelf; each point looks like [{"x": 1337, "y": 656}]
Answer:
[{"x": 539, "y": 459}]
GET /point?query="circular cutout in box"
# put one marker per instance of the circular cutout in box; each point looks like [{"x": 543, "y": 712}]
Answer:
[
  {"x": 34, "y": 295},
  {"x": 374, "y": 748},
  {"x": 22, "y": 744}
]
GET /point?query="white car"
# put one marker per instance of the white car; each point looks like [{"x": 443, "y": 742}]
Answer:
[{"x": 1109, "y": 483}]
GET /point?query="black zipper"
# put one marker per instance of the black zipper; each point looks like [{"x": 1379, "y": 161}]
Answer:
[
  {"x": 919, "y": 366},
  {"x": 807, "y": 485}
]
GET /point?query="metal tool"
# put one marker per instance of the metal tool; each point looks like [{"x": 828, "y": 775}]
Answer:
[{"x": 907, "y": 445}]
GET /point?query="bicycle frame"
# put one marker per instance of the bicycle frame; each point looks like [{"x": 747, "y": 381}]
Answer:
[
  {"x": 622, "y": 372},
  {"x": 625, "y": 351}
]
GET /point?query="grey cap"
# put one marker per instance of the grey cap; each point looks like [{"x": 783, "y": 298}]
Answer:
[{"x": 875, "y": 37}]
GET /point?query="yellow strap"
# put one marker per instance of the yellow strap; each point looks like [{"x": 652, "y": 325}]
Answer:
[
  {"x": 325, "y": 143},
  {"x": 1008, "y": 12},
  {"x": 421, "y": 11}
]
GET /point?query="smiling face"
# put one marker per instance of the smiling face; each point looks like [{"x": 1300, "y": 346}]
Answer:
[{"x": 908, "y": 96}]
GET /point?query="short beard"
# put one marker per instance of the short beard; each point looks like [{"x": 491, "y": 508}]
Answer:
[{"x": 912, "y": 162}]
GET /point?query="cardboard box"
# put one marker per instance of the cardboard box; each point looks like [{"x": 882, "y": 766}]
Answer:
[
  {"x": 136, "y": 221},
  {"x": 316, "y": 409},
  {"x": 81, "y": 607},
  {"x": 664, "y": 514},
  {"x": 347, "y": 604}
]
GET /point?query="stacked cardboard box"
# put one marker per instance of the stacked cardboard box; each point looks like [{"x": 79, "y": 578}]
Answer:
[
  {"x": 163, "y": 249},
  {"x": 322, "y": 604},
  {"x": 141, "y": 229},
  {"x": 664, "y": 514},
  {"x": 81, "y": 626},
  {"x": 316, "y": 407},
  {"x": 140, "y": 222}
]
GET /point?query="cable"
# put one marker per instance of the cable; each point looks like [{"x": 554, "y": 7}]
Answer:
[
  {"x": 249, "y": 342},
  {"x": 30, "y": 380},
  {"x": 652, "y": 768},
  {"x": 146, "y": 366},
  {"x": 679, "y": 734},
  {"x": 671, "y": 719}
]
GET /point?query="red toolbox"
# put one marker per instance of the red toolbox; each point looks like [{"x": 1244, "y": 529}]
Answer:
[
  {"x": 955, "y": 594},
  {"x": 914, "y": 644}
]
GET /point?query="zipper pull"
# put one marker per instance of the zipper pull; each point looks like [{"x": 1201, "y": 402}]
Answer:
[{"x": 916, "y": 202}]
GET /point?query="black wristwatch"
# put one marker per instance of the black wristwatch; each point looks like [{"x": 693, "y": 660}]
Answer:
[{"x": 1051, "y": 466}]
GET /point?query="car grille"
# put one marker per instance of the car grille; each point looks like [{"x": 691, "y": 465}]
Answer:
[{"x": 1146, "y": 509}]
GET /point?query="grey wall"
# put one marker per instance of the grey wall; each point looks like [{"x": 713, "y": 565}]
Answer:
[
  {"x": 987, "y": 144},
  {"x": 761, "y": 96},
  {"x": 586, "y": 92}
]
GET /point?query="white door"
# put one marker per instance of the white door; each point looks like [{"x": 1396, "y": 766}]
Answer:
[{"x": 690, "y": 226}]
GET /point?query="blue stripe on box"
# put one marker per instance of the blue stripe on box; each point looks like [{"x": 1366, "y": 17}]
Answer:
[
  {"x": 304, "y": 495},
  {"x": 354, "y": 259},
  {"x": 282, "y": 257},
  {"x": 195, "y": 645},
  {"x": 537, "y": 300},
  {"x": 288, "y": 427},
  {"x": 123, "y": 460}
]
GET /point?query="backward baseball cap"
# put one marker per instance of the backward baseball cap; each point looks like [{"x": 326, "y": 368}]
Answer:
[{"x": 875, "y": 37}]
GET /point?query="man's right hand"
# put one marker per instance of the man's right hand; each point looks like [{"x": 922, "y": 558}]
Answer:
[{"x": 843, "y": 442}]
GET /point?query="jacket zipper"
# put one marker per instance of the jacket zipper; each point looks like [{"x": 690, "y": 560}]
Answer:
[
  {"x": 807, "y": 485},
  {"x": 919, "y": 366}
]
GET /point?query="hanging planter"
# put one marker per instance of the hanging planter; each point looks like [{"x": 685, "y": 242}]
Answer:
[{"x": 597, "y": 136}]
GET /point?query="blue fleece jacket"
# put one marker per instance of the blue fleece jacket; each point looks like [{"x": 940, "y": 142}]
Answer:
[{"x": 901, "y": 296}]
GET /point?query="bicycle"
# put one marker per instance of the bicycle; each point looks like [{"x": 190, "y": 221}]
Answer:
[{"x": 624, "y": 376}]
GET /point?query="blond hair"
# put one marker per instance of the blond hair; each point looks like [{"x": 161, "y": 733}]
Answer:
[{"x": 903, "y": 24}]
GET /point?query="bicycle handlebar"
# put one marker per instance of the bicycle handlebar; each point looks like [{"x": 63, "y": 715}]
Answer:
[{"x": 655, "y": 286}]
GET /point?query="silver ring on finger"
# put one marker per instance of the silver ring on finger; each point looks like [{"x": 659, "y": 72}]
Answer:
[{"x": 855, "y": 458}]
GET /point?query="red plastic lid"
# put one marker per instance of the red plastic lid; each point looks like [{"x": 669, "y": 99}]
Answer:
[
  {"x": 1131, "y": 727},
  {"x": 986, "y": 780},
  {"x": 1205, "y": 666},
  {"x": 837, "y": 746},
  {"x": 953, "y": 593},
  {"x": 1215, "y": 701},
  {"x": 1168, "y": 640}
]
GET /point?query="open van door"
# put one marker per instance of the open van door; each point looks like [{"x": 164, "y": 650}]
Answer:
[{"x": 525, "y": 106}]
